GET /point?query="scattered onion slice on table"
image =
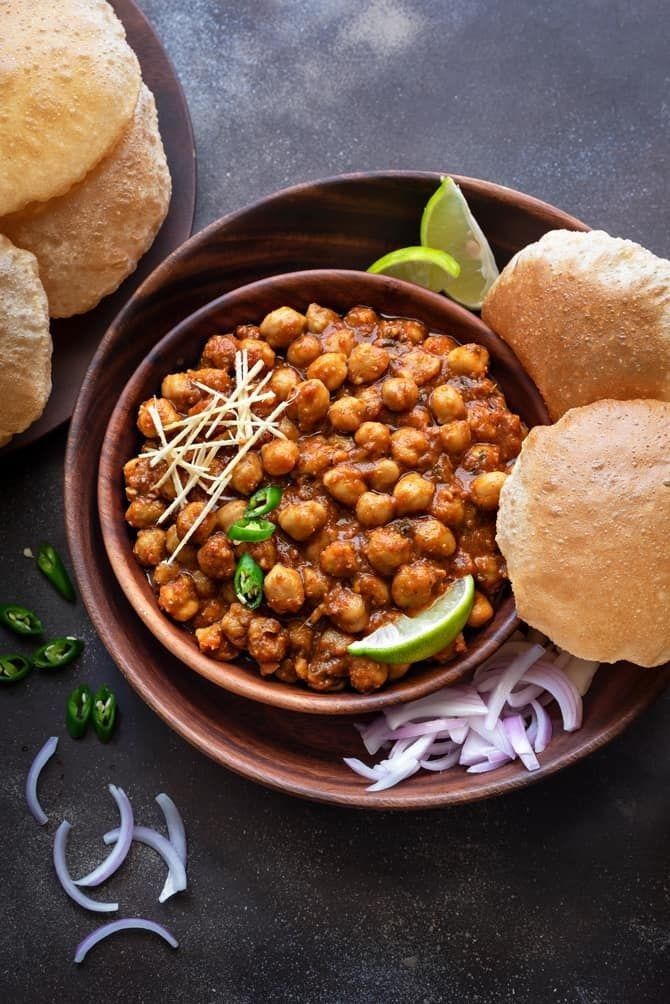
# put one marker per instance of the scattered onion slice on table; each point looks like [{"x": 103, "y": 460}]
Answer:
[
  {"x": 176, "y": 880},
  {"x": 66, "y": 880},
  {"x": 118, "y": 855},
  {"x": 126, "y": 924},
  {"x": 38, "y": 763},
  {"x": 501, "y": 716},
  {"x": 176, "y": 836}
]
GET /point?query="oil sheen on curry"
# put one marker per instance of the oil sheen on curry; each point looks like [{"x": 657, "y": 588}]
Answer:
[{"x": 314, "y": 477}]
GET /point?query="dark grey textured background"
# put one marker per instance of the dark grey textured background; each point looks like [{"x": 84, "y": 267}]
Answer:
[{"x": 558, "y": 893}]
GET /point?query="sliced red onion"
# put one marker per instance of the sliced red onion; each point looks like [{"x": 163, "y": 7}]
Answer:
[
  {"x": 118, "y": 855},
  {"x": 543, "y": 733},
  {"x": 496, "y": 759},
  {"x": 393, "y": 777},
  {"x": 65, "y": 879},
  {"x": 495, "y": 737},
  {"x": 509, "y": 679},
  {"x": 516, "y": 733},
  {"x": 564, "y": 692},
  {"x": 36, "y": 767},
  {"x": 442, "y": 762},
  {"x": 450, "y": 702},
  {"x": 127, "y": 924},
  {"x": 581, "y": 672},
  {"x": 520, "y": 698},
  {"x": 475, "y": 749},
  {"x": 370, "y": 773},
  {"x": 176, "y": 880},
  {"x": 176, "y": 836}
]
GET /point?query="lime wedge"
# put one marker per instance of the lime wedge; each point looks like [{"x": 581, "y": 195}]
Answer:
[
  {"x": 448, "y": 224},
  {"x": 422, "y": 266},
  {"x": 411, "y": 639}
]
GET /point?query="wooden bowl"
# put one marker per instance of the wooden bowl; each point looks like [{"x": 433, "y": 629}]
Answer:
[{"x": 339, "y": 290}]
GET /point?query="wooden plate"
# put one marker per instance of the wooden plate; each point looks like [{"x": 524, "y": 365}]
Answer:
[
  {"x": 75, "y": 339},
  {"x": 342, "y": 222}
]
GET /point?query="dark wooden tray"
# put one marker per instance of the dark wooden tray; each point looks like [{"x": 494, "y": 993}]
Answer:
[
  {"x": 75, "y": 339},
  {"x": 345, "y": 222}
]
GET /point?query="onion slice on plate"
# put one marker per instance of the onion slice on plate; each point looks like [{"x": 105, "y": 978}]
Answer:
[
  {"x": 176, "y": 880},
  {"x": 125, "y": 924},
  {"x": 38, "y": 763},
  {"x": 118, "y": 855},
  {"x": 66, "y": 880}
]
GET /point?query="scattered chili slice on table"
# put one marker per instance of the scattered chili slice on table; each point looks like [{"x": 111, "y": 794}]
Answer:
[
  {"x": 14, "y": 668},
  {"x": 103, "y": 713},
  {"x": 248, "y": 582},
  {"x": 58, "y": 652},
  {"x": 51, "y": 564},
  {"x": 20, "y": 619},
  {"x": 263, "y": 501},
  {"x": 78, "y": 712},
  {"x": 250, "y": 528}
]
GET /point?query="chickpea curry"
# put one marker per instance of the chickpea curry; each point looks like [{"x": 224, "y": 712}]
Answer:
[{"x": 313, "y": 478}]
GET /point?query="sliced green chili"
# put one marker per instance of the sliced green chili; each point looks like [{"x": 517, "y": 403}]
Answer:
[
  {"x": 14, "y": 668},
  {"x": 78, "y": 711},
  {"x": 19, "y": 619},
  {"x": 250, "y": 528},
  {"x": 103, "y": 714},
  {"x": 248, "y": 582},
  {"x": 51, "y": 564},
  {"x": 58, "y": 652},
  {"x": 263, "y": 501}
]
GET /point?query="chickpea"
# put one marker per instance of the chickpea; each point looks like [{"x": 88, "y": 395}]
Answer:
[
  {"x": 187, "y": 517},
  {"x": 345, "y": 484},
  {"x": 318, "y": 318},
  {"x": 485, "y": 489},
  {"x": 397, "y": 670},
  {"x": 418, "y": 418},
  {"x": 179, "y": 390},
  {"x": 167, "y": 413},
  {"x": 399, "y": 393},
  {"x": 284, "y": 590},
  {"x": 140, "y": 476},
  {"x": 346, "y": 414},
  {"x": 211, "y": 611},
  {"x": 248, "y": 474},
  {"x": 318, "y": 543},
  {"x": 418, "y": 365},
  {"x": 374, "y": 438},
  {"x": 300, "y": 638},
  {"x": 303, "y": 351},
  {"x": 216, "y": 557},
  {"x": 387, "y": 550},
  {"x": 409, "y": 447},
  {"x": 301, "y": 519},
  {"x": 489, "y": 571},
  {"x": 373, "y": 509},
  {"x": 455, "y": 436},
  {"x": 413, "y": 494},
  {"x": 446, "y": 403},
  {"x": 367, "y": 363},
  {"x": 372, "y": 400},
  {"x": 267, "y": 642},
  {"x": 481, "y": 457},
  {"x": 403, "y": 330},
  {"x": 433, "y": 538},
  {"x": 144, "y": 512},
  {"x": 374, "y": 590},
  {"x": 311, "y": 403},
  {"x": 447, "y": 507},
  {"x": 383, "y": 475},
  {"x": 439, "y": 345},
  {"x": 213, "y": 379},
  {"x": 247, "y": 331},
  {"x": 205, "y": 587},
  {"x": 363, "y": 318},
  {"x": 413, "y": 585},
  {"x": 289, "y": 428},
  {"x": 315, "y": 456},
  {"x": 171, "y": 538},
  {"x": 230, "y": 513},
  {"x": 150, "y": 547},
  {"x": 315, "y": 583},
  {"x": 235, "y": 624},
  {"x": 339, "y": 559},
  {"x": 342, "y": 340},
  {"x": 366, "y": 675},
  {"x": 257, "y": 349},
  {"x": 165, "y": 572},
  {"x": 346, "y": 609},
  {"x": 468, "y": 360},
  {"x": 279, "y": 457},
  {"x": 283, "y": 382},
  {"x": 179, "y": 598},
  {"x": 219, "y": 352},
  {"x": 210, "y": 640},
  {"x": 481, "y": 612},
  {"x": 330, "y": 369},
  {"x": 282, "y": 326},
  {"x": 264, "y": 552}
]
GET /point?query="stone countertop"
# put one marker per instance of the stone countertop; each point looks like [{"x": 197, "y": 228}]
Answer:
[{"x": 557, "y": 893}]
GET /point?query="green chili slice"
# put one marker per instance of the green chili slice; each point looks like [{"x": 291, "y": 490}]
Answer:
[
  {"x": 248, "y": 582},
  {"x": 51, "y": 564},
  {"x": 263, "y": 501},
  {"x": 14, "y": 668},
  {"x": 19, "y": 619},
  {"x": 250, "y": 528},
  {"x": 58, "y": 652},
  {"x": 104, "y": 713},
  {"x": 78, "y": 710}
]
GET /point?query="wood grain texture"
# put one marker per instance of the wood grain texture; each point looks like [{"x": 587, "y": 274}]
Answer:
[
  {"x": 75, "y": 339},
  {"x": 342, "y": 222}
]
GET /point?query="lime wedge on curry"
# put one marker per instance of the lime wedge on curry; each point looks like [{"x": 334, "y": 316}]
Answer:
[
  {"x": 448, "y": 224},
  {"x": 422, "y": 266},
  {"x": 411, "y": 639}
]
